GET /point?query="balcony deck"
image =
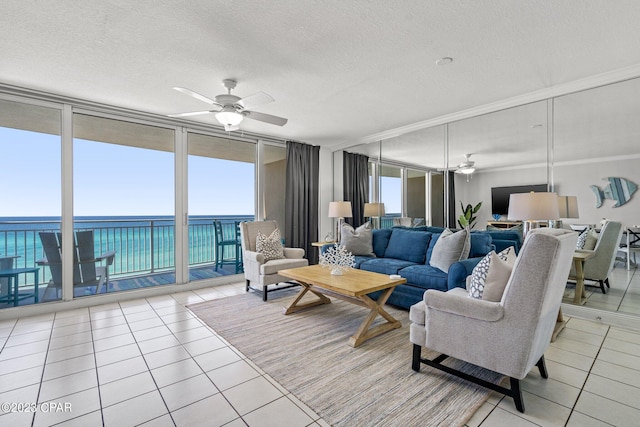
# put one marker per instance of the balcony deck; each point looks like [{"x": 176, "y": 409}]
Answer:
[{"x": 128, "y": 283}]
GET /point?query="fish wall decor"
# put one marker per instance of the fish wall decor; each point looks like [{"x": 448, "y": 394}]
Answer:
[{"x": 618, "y": 189}]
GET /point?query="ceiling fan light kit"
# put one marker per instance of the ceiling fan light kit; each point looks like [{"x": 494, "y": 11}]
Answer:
[
  {"x": 466, "y": 167},
  {"x": 231, "y": 109}
]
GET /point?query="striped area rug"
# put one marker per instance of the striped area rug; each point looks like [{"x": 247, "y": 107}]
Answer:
[{"x": 372, "y": 385}]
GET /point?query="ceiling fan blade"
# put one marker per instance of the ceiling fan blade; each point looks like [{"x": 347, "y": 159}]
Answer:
[
  {"x": 255, "y": 100},
  {"x": 194, "y": 113},
  {"x": 267, "y": 118},
  {"x": 196, "y": 95}
]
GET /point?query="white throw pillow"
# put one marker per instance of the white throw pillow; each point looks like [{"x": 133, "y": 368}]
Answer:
[
  {"x": 592, "y": 240},
  {"x": 451, "y": 247},
  {"x": 358, "y": 241},
  {"x": 270, "y": 246},
  {"x": 490, "y": 276}
]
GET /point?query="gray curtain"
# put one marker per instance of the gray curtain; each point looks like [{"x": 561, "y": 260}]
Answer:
[
  {"x": 301, "y": 197},
  {"x": 355, "y": 179},
  {"x": 452, "y": 221}
]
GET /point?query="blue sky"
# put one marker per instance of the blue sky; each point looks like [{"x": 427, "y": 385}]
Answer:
[{"x": 112, "y": 179}]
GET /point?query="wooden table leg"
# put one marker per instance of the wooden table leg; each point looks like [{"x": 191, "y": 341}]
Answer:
[
  {"x": 294, "y": 306},
  {"x": 377, "y": 308},
  {"x": 580, "y": 292},
  {"x": 560, "y": 324}
]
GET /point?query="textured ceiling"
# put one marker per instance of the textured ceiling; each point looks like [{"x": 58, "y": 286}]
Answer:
[{"x": 339, "y": 70}]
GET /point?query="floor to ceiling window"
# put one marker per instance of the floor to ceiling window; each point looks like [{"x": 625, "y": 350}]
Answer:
[
  {"x": 221, "y": 194},
  {"x": 30, "y": 149},
  {"x": 390, "y": 193},
  {"x": 123, "y": 205}
]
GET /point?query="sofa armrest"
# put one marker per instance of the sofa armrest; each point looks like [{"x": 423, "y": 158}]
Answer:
[
  {"x": 461, "y": 304},
  {"x": 458, "y": 272},
  {"x": 254, "y": 257},
  {"x": 294, "y": 253}
]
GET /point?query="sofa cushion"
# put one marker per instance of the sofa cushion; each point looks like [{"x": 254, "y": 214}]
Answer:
[
  {"x": 358, "y": 241},
  {"x": 425, "y": 276},
  {"x": 408, "y": 245},
  {"x": 480, "y": 244},
  {"x": 582, "y": 239},
  {"x": 450, "y": 247},
  {"x": 385, "y": 265},
  {"x": 275, "y": 265},
  {"x": 380, "y": 241},
  {"x": 358, "y": 260}
]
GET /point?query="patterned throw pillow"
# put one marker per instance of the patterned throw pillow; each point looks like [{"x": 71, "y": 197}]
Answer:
[
  {"x": 490, "y": 276},
  {"x": 582, "y": 239},
  {"x": 270, "y": 247}
]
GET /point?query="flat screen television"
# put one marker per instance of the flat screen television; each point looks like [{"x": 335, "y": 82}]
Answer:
[{"x": 500, "y": 196}]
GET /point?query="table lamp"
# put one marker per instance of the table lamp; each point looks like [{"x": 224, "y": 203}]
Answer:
[
  {"x": 374, "y": 210},
  {"x": 533, "y": 207},
  {"x": 567, "y": 208},
  {"x": 340, "y": 210}
]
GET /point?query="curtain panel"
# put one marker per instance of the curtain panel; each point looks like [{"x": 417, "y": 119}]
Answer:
[
  {"x": 301, "y": 197},
  {"x": 356, "y": 185}
]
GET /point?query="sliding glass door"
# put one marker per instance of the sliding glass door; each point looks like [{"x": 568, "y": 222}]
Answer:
[
  {"x": 221, "y": 194},
  {"x": 30, "y": 149},
  {"x": 123, "y": 198}
]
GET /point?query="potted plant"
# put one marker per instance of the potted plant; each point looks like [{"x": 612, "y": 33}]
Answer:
[{"x": 468, "y": 218}]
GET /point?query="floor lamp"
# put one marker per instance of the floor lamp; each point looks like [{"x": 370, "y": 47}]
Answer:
[
  {"x": 340, "y": 210},
  {"x": 533, "y": 207},
  {"x": 374, "y": 210}
]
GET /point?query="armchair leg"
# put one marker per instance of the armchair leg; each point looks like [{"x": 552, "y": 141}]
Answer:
[
  {"x": 264, "y": 293},
  {"x": 606, "y": 282},
  {"x": 247, "y": 286},
  {"x": 516, "y": 394},
  {"x": 415, "y": 362},
  {"x": 602, "y": 288},
  {"x": 542, "y": 367}
]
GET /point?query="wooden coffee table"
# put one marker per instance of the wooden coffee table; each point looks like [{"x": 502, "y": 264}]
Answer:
[{"x": 353, "y": 286}]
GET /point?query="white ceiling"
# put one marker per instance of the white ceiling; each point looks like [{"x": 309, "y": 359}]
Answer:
[{"x": 340, "y": 71}]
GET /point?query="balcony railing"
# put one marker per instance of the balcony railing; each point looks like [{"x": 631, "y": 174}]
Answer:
[{"x": 142, "y": 246}]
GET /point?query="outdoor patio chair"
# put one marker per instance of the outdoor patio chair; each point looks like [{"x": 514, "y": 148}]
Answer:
[
  {"x": 227, "y": 240},
  {"x": 630, "y": 245},
  {"x": 89, "y": 271},
  {"x": 263, "y": 273},
  {"x": 509, "y": 336}
]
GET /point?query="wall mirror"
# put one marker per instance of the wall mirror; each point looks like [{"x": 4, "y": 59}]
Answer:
[{"x": 571, "y": 142}]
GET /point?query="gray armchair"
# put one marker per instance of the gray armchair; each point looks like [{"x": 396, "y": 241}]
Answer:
[
  {"x": 509, "y": 336},
  {"x": 600, "y": 265},
  {"x": 256, "y": 270}
]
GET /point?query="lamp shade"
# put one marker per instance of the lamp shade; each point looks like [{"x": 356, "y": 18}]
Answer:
[
  {"x": 373, "y": 209},
  {"x": 229, "y": 117},
  {"x": 533, "y": 206},
  {"x": 568, "y": 207},
  {"x": 340, "y": 210}
]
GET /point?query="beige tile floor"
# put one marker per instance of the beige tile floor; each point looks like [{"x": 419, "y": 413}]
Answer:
[{"x": 151, "y": 362}]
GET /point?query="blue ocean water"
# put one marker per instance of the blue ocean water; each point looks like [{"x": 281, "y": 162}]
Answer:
[{"x": 141, "y": 243}]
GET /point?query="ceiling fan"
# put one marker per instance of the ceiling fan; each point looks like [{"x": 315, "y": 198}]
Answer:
[
  {"x": 466, "y": 167},
  {"x": 230, "y": 110}
]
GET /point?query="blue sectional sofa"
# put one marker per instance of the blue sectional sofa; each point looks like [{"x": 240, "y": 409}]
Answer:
[{"x": 407, "y": 251}]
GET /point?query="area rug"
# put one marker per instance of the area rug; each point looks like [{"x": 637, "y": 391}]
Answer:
[{"x": 372, "y": 385}]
